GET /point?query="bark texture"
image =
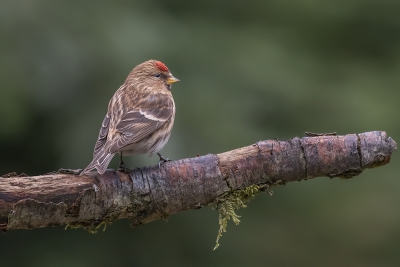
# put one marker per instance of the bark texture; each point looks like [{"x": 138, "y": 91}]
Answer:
[{"x": 151, "y": 193}]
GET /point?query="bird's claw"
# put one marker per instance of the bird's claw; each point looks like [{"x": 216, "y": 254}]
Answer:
[
  {"x": 162, "y": 160},
  {"x": 123, "y": 168}
]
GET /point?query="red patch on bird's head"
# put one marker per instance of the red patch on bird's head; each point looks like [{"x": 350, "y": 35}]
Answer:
[{"x": 161, "y": 66}]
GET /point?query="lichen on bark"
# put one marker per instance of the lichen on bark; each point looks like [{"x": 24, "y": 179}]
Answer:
[{"x": 231, "y": 201}]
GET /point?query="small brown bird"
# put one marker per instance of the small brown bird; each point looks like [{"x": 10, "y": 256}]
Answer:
[{"x": 140, "y": 116}]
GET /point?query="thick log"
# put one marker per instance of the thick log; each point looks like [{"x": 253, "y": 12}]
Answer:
[{"x": 151, "y": 193}]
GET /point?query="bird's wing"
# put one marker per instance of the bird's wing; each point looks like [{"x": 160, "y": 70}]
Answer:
[
  {"x": 101, "y": 140},
  {"x": 137, "y": 123}
]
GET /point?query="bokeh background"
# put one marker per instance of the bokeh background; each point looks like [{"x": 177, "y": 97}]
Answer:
[{"x": 249, "y": 70}]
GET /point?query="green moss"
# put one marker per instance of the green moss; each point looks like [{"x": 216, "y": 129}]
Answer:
[{"x": 231, "y": 201}]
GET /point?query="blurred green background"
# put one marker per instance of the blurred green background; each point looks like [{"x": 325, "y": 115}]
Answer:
[{"x": 249, "y": 70}]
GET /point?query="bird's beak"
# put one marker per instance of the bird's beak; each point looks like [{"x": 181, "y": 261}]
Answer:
[{"x": 172, "y": 80}]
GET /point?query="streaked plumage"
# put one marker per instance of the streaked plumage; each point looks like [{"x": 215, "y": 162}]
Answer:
[{"x": 140, "y": 116}]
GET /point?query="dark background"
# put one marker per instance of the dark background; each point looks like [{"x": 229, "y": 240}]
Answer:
[{"x": 249, "y": 70}]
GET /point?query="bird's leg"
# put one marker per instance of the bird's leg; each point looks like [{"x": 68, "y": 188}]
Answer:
[
  {"x": 162, "y": 159},
  {"x": 122, "y": 167}
]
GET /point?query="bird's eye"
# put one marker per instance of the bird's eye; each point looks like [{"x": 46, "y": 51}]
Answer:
[{"x": 158, "y": 75}]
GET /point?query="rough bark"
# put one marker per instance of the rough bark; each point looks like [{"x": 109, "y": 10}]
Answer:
[{"x": 151, "y": 193}]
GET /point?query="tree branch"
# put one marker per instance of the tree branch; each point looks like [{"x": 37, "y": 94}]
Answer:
[{"x": 152, "y": 193}]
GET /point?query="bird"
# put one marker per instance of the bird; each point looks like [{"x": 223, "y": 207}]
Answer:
[{"x": 139, "y": 118}]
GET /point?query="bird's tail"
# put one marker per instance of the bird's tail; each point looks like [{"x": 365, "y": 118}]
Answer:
[{"x": 99, "y": 162}]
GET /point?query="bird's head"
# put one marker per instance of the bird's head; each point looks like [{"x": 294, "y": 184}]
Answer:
[{"x": 153, "y": 72}]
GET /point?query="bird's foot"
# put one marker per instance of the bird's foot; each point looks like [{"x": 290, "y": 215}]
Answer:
[
  {"x": 122, "y": 167},
  {"x": 162, "y": 160}
]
